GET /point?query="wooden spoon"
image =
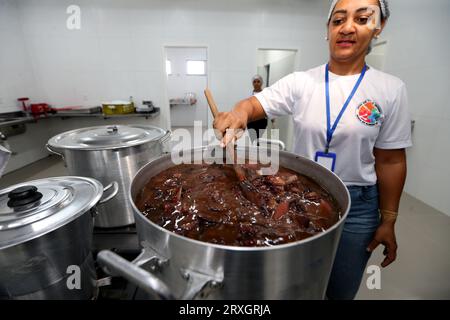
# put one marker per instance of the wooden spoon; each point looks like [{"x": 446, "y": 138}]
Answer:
[
  {"x": 240, "y": 172},
  {"x": 248, "y": 189}
]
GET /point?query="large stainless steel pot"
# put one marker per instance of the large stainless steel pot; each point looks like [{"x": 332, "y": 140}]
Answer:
[
  {"x": 45, "y": 238},
  {"x": 184, "y": 268},
  {"x": 110, "y": 153}
]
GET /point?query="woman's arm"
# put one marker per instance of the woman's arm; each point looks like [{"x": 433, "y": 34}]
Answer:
[
  {"x": 245, "y": 111},
  {"x": 279, "y": 100},
  {"x": 390, "y": 166}
]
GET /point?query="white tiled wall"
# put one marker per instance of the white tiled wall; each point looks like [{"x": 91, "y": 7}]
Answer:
[
  {"x": 417, "y": 52},
  {"x": 16, "y": 73},
  {"x": 178, "y": 84},
  {"x": 119, "y": 53},
  {"x": 119, "y": 50}
]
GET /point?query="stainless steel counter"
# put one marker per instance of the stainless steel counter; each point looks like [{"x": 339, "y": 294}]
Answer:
[{"x": 6, "y": 122}]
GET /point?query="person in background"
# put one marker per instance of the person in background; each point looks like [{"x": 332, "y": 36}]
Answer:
[
  {"x": 256, "y": 127},
  {"x": 354, "y": 120}
]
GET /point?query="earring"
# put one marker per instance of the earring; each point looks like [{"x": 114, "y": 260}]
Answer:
[
  {"x": 326, "y": 38},
  {"x": 377, "y": 36}
]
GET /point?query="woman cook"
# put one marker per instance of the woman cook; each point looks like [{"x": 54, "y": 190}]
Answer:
[{"x": 353, "y": 119}]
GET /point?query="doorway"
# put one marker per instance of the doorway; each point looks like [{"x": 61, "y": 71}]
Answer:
[
  {"x": 377, "y": 56},
  {"x": 186, "y": 69},
  {"x": 274, "y": 64}
]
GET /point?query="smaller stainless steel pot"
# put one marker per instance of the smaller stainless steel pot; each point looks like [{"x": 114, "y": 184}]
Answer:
[
  {"x": 110, "y": 153},
  {"x": 46, "y": 229}
]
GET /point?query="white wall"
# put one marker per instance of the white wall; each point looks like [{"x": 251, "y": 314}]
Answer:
[
  {"x": 267, "y": 56},
  {"x": 119, "y": 50},
  {"x": 119, "y": 53},
  {"x": 282, "y": 63},
  {"x": 281, "y": 68},
  {"x": 417, "y": 52},
  {"x": 377, "y": 58},
  {"x": 179, "y": 83},
  {"x": 16, "y": 73},
  {"x": 278, "y": 70}
]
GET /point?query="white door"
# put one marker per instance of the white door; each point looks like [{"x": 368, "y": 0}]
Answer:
[
  {"x": 187, "y": 77},
  {"x": 272, "y": 66}
]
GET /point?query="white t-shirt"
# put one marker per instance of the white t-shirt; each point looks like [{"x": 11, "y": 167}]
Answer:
[{"x": 377, "y": 116}]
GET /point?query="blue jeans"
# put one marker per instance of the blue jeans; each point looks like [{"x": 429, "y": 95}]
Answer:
[{"x": 352, "y": 256}]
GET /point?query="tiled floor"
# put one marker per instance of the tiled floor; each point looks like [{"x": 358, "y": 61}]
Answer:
[
  {"x": 421, "y": 271},
  {"x": 422, "y": 268}
]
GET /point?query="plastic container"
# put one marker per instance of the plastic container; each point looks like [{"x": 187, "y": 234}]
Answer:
[{"x": 118, "y": 107}]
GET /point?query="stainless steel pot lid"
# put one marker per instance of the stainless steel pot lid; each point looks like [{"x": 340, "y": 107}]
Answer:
[
  {"x": 106, "y": 137},
  {"x": 29, "y": 210}
]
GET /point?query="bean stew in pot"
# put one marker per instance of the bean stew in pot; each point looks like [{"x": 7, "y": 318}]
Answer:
[{"x": 206, "y": 203}]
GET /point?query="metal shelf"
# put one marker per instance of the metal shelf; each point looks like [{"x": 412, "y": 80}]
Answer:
[
  {"x": 63, "y": 116},
  {"x": 108, "y": 116}
]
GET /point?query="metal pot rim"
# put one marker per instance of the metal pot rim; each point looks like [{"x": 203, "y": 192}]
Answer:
[
  {"x": 238, "y": 248},
  {"x": 27, "y": 233},
  {"x": 54, "y": 145}
]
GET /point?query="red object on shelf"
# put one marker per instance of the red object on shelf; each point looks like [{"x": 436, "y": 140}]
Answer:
[
  {"x": 24, "y": 106},
  {"x": 38, "y": 109}
]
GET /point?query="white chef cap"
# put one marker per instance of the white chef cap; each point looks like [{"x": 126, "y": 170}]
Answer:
[
  {"x": 384, "y": 6},
  {"x": 255, "y": 77}
]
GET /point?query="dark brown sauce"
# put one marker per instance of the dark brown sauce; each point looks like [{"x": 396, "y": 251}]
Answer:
[{"x": 206, "y": 203}]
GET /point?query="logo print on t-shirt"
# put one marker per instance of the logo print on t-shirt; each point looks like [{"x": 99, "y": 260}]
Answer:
[{"x": 369, "y": 113}]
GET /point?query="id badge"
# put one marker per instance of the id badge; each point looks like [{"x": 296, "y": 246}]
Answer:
[{"x": 328, "y": 160}]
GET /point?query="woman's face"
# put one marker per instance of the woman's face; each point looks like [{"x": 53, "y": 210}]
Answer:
[
  {"x": 257, "y": 85},
  {"x": 350, "y": 31}
]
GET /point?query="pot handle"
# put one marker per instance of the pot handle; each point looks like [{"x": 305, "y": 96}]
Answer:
[
  {"x": 165, "y": 141},
  {"x": 47, "y": 146},
  {"x": 115, "y": 187},
  {"x": 280, "y": 143},
  {"x": 118, "y": 266},
  {"x": 166, "y": 136}
]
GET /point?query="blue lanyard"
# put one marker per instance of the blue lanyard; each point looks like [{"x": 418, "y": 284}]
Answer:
[{"x": 331, "y": 129}]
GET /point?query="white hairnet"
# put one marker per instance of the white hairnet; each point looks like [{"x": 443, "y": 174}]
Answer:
[
  {"x": 384, "y": 6},
  {"x": 257, "y": 77}
]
